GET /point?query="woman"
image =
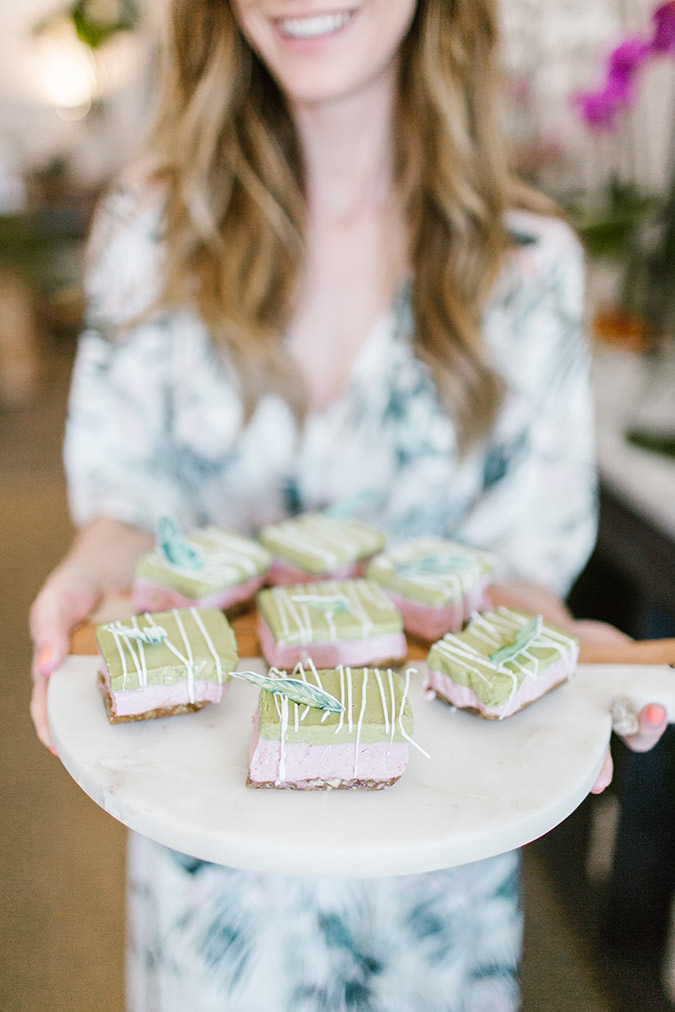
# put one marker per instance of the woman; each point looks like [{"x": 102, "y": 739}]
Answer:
[{"x": 317, "y": 289}]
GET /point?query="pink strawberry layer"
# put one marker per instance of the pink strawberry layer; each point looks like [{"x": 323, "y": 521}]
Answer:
[
  {"x": 384, "y": 760},
  {"x": 284, "y": 574},
  {"x": 148, "y": 596},
  {"x": 127, "y": 702},
  {"x": 531, "y": 689},
  {"x": 430, "y": 622},
  {"x": 333, "y": 653}
]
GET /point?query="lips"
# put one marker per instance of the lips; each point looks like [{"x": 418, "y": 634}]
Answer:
[{"x": 315, "y": 25}]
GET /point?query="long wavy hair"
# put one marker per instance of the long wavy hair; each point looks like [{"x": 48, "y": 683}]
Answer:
[{"x": 224, "y": 144}]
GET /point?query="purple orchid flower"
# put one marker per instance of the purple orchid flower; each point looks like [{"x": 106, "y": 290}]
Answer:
[
  {"x": 663, "y": 40},
  {"x": 601, "y": 108},
  {"x": 628, "y": 57}
]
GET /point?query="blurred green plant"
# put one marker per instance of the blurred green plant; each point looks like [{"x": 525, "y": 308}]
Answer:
[
  {"x": 634, "y": 228},
  {"x": 40, "y": 246},
  {"x": 25, "y": 245},
  {"x": 95, "y": 21},
  {"x": 623, "y": 226},
  {"x": 614, "y": 225}
]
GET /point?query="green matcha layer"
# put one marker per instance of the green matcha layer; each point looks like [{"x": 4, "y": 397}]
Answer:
[
  {"x": 376, "y": 708},
  {"x": 320, "y": 543},
  {"x": 433, "y": 571},
  {"x": 186, "y": 644},
  {"x": 504, "y": 658},
  {"x": 328, "y": 610},
  {"x": 225, "y": 559}
]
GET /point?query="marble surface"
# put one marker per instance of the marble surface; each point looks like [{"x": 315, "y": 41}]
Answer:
[
  {"x": 488, "y": 787},
  {"x": 626, "y": 393}
]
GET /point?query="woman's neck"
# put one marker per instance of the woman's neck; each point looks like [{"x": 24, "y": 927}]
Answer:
[
  {"x": 347, "y": 147},
  {"x": 355, "y": 253}
]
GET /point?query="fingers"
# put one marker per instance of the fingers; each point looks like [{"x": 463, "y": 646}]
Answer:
[
  {"x": 60, "y": 605},
  {"x": 604, "y": 777},
  {"x": 531, "y": 597},
  {"x": 592, "y": 633},
  {"x": 38, "y": 712},
  {"x": 46, "y": 659},
  {"x": 652, "y": 722},
  {"x": 50, "y": 650}
]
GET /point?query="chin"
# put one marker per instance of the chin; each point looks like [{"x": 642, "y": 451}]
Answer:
[{"x": 322, "y": 87}]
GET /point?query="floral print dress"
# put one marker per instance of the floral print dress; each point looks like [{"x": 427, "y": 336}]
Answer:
[{"x": 156, "y": 426}]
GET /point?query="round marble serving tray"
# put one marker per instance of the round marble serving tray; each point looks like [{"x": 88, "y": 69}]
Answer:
[{"x": 488, "y": 787}]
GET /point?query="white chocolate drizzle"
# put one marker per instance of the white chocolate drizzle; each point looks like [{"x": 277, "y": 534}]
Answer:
[
  {"x": 131, "y": 646},
  {"x": 282, "y": 739},
  {"x": 393, "y": 714},
  {"x": 226, "y": 558},
  {"x": 406, "y": 689},
  {"x": 303, "y": 619},
  {"x": 209, "y": 643},
  {"x": 144, "y": 665},
  {"x": 448, "y": 570},
  {"x": 190, "y": 657},
  {"x": 392, "y": 698},
  {"x": 359, "y": 723},
  {"x": 490, "y": 628},
  {"x": 378, "y": 678},
  {"x": 326, "y": 541}
]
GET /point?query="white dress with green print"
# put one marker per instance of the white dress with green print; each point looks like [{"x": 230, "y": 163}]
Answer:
[{"x": 156, "y": 426}]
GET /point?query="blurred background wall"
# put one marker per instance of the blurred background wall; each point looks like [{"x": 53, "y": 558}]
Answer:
[{"x": 49, "y": 82}]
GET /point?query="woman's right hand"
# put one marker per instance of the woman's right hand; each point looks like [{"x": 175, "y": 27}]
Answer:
[
  {"x": 101, "y": 562},
  {"x": 68, "y": 596}
]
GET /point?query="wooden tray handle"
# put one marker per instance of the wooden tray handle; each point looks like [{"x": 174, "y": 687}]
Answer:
[
  {"x": 83, "y": 639},
  {"x": 244, "y": 625},
  {"x": 634, "y": 652}
]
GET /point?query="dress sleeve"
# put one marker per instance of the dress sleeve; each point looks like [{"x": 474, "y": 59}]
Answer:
[
  {"x": 120, "y": 405},
  {"x": 538, "y": 504}
]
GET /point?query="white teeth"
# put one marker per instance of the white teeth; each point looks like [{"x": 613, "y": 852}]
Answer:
[{"x": 313, "y": 27}]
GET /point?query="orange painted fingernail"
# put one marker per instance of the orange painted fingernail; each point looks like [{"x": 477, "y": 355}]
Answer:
[
  {"x": 43, "y": 662},
  {"x": 52, "y": 750},
  {"x": 655, "y": 713}
]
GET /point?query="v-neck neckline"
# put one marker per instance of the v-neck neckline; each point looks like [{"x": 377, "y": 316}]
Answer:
[{"x": 389, "y": 322}]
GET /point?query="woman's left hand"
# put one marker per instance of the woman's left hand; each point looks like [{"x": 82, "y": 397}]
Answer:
[
  {"x": 652, "y": 721},
  {"x": 652, "y": 718}
]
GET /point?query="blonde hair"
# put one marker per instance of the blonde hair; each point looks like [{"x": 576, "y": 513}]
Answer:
[{"x": 225, "y": 146}]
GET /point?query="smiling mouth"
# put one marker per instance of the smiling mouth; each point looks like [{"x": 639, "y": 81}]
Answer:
[{"x": 314, "y": 26}]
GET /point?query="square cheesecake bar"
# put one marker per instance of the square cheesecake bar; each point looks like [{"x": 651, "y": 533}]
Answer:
[
  {"x": 502, "y": 661},
  {"x": 332, "y": 622},
  {"x": 315, "y": 546},
  {"x": 216, "y": 569},
  {"x": 364, "y": 746},
  {"x": 158, "y": 665},
  {"x": 435, "y": 583}
]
